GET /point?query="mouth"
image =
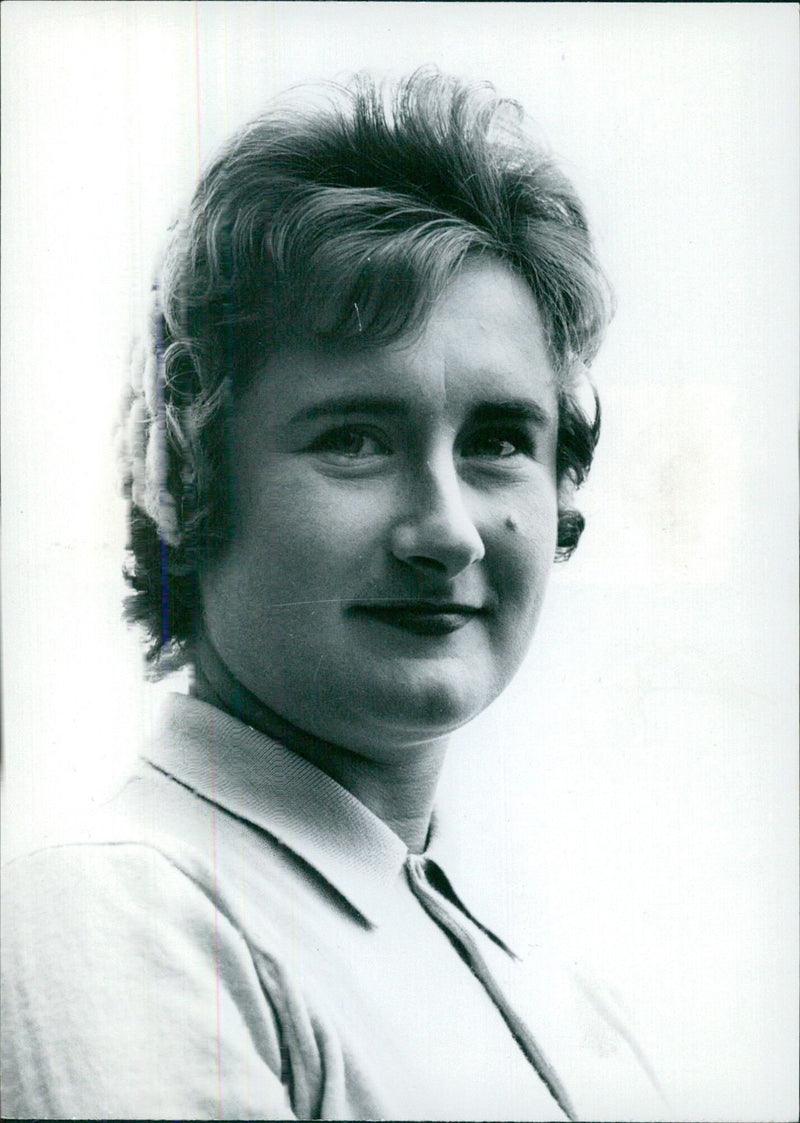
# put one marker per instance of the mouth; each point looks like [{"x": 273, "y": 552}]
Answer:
[{"x": 422, "y": 618}]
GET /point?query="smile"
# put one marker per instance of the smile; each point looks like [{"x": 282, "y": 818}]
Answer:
[{"x": 424, "y": 618}]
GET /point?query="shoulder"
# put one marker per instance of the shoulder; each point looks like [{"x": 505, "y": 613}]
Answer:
[
  {"x": 125, "y": 867},
  {"x": 96, "y": 886},
  {"x": 125, "y": 987}
]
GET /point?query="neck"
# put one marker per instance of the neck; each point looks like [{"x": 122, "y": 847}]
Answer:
[{"x": 401, "y": 792}]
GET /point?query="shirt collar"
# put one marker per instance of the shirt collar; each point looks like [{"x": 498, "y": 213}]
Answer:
[
  {"x": 256, "y": 779},
  {"x": 481, "y": 898},
  {"x": 261, "y": 781}
]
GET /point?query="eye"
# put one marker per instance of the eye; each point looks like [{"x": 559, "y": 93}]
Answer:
[
  {"x": 498, "y": 442},
  {"x": 350, "y": 443}
]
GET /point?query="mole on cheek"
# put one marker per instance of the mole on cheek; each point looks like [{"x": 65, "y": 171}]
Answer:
[{"x": 511, "y": 523}]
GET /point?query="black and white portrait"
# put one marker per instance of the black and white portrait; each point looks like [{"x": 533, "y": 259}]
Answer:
[{"x": 399, "y": 561}]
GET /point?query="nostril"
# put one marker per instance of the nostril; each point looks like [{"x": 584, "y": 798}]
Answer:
[
  {"x": 436, "y": 554},
  {"x": 422, "y": 562}
]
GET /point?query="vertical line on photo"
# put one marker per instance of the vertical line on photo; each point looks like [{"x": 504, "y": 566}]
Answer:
[
  {"x": 164, "y": 593},
  {"x": 212, "y": 779},
  {"x": 225, "y": 56},
  {"x": 159, "y": 433},
  {"x": 195, "y": 11},
  {"x": 274, "y": 44}
]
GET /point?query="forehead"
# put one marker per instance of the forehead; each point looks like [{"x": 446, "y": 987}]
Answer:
[
  {"x": 486, "y": 321},
  {"x": 482, "y": 340}
]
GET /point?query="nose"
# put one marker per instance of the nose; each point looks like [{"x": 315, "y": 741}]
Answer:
[{"x": 437, "y": 533}]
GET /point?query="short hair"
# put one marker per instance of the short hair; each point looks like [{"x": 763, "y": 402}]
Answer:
[{"x": 337, "y": 218}]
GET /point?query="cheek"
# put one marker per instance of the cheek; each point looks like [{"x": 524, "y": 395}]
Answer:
[
  {"x": 303, "y": 529},
  {"x": 522, "y": 547}
]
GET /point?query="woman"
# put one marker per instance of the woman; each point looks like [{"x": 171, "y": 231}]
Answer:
[{"x": 354, "y": 438}]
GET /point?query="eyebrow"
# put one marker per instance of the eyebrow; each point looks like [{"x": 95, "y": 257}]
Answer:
[
  {"x": 515, "y": 409},
  {"x": 336, "y": 407}
]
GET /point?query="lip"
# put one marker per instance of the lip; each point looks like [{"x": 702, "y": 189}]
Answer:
[{"x": 423, "y": 618}]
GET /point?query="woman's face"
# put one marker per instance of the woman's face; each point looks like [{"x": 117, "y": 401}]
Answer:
[{"x": 395, "y": 522}]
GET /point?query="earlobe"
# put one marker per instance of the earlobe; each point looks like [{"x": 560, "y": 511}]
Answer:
[{"x": 570, "y": 528}]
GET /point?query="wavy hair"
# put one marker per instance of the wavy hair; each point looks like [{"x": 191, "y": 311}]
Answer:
[{"x": 338, "y": 218}]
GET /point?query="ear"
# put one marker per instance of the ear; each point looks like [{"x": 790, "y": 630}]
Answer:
[{"x": 570, "y": 521}]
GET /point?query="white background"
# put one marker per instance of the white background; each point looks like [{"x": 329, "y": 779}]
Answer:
[{"x": 640, "y": 776}]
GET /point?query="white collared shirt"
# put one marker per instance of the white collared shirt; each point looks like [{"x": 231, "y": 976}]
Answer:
[{"x": 239, "y": 937}]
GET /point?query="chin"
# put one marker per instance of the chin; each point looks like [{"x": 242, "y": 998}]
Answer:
[{"x": 424, "y": 711}]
